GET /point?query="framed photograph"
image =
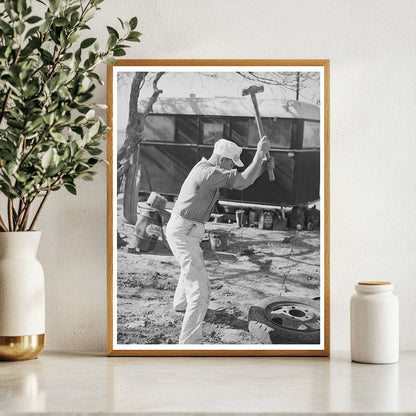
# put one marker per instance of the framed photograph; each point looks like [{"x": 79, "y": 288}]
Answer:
[{"x": 218, "y": 208}]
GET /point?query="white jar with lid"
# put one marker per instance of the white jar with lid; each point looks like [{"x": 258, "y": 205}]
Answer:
[{"x": 374, "y": 323}]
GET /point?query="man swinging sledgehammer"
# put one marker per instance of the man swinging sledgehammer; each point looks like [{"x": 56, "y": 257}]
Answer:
[{"x": 185, "y": 228}]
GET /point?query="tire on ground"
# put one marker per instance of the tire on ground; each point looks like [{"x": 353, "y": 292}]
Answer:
[{"x": 268, "y": 332}]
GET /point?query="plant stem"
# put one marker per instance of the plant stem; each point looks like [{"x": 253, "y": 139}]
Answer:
[
  {"x": 17, "y": 217},
  {"x": 20, "y": 214},
  {"x": 26, "y": 216},
  {"x": 10, "y": 213},
  {"x": 2, "y": 225},
  {"x": 39, "y": 209}
]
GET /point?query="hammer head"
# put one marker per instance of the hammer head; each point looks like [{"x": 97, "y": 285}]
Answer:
[{"x": 254, "y": 89}]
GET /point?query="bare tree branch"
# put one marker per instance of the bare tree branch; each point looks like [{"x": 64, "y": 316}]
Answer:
[
  {"x": 135, "y": 125},
  {"x": 295, "y": 82}
]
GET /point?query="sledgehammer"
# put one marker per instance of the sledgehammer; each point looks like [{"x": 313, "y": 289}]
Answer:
[{"x": 252, "y": 91}]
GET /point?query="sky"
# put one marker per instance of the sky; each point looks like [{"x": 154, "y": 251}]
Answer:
[{"x": 207, "y": 84}]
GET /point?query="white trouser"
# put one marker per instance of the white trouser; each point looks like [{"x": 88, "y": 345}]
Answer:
[{"x": 193, "y": 292}]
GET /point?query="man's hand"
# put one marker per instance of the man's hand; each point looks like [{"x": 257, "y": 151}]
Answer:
[
  {"x": 253, "y": 171},
  {"x": 263, "y": 146},
  {"x": 269, "y": 163}
]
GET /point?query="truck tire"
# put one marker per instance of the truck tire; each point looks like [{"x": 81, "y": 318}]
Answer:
[{"x": 285, "y": 320}]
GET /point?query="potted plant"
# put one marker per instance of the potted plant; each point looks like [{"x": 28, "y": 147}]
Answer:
[{"x": 50, "y": 136}]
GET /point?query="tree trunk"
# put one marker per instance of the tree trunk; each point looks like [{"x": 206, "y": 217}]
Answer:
[{"x": 129, "y": 154}]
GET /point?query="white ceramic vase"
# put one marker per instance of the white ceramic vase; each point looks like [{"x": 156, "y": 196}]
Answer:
[{"x": 22, "y": 296}]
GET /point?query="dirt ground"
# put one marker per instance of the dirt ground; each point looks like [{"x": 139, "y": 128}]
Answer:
[{"x": 258, "y": 264}]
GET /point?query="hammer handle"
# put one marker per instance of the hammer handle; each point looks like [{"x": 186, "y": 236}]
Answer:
[{"x": 260, "y": 129}]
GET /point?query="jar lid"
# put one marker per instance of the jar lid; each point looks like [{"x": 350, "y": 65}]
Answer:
[
  {"x": 370, "y": 287},
  {"x": 374, "y": 283}
]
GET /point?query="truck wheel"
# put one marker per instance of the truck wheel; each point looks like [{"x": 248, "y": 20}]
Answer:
[{"x": 285, "y": 320}]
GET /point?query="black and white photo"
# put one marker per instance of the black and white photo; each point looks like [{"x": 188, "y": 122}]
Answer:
[{"x": 218, "y": 208}]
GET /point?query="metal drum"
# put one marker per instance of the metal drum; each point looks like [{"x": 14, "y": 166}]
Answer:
[
  {"x": 266, "y": 220},
  {"x": 240, "y": 217},
  {"x": 218, "y": 241},
  {"x": 148, "y": 227}
]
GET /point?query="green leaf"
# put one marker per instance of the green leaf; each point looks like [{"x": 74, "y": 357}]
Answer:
[
  {"x": 11, "y": 168},
  {"x": 63, "y": 41},
  {"x": 33, "y": 19},
  {"x": 21, "y": 177},
  {"x": 77, "y": 57},
  {"x": 133, "y": 23},
  {"x": 86, "y": 176},
  {"x": 133, "y": 39},
  {"x": 52, "y": 171},
  {"x": 64, "y": 92},
  {"x": 27, "y": 52},
  {"x": 6, "y": 29},
  {"x": 94, "y": 129},
  {"x": 8, "y": 190},
  {"x": 53, "y": 83},
  {"x": 111, "y": 30},
  {"x": 31, "y": 90},
  {"x": 67, "y": 56},
  {"x": 119, "y": 52},
  {"x": 54, "y": 4},
  {"x": 10, "y": 8},
  {"x": 92, "y": 161},
  {"x": 46, "y": 56},
  {"x": 82, "y": 98},
  {"x": 90, "y": 14},
  {"x": 134, "y": 36},
  {"x": 47, "y": 158},
  {"x": 94, "y": 151},
  {"x": 78, "y": 154},
  {"x": 35, "y": 125},
  {"x": 112, "y": 41},
  {"x": 70, "y": 188},
  {"x": 48, "y": 118},
  {"x": 31, "y": 31},
  {"x": 110, "y": 60},
  {"x": 67, "y": 153},
  {"x": 90, "y": 115},
  {"x": 61, "y": 21},
  {"x": 74, "y": 18},
  {"x": 82, "y": 166},
  {"x": 20, "y": 28},
  {"x": 80, "y": 120},
  {"x": 16, "y": 124},
  {"x": 121, "y": 22},
  {"x": 87, "y": 42},
  {"x": 73, "y": 38},
  {"x": 96, "y": 77},
  {"x": 4, "y": 145},
  {"x": 77, "y": 130},
  {"x": 58, "y": 137},
  {"x": 21, "y": 6}
]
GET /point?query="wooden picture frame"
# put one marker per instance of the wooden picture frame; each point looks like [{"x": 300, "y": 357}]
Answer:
[{"x": 270, "y": 286}]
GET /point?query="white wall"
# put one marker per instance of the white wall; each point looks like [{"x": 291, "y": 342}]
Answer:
[{"x": 371, "y": 45}]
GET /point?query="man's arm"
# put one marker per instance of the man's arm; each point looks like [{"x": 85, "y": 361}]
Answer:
[{"x": 253, "y": 171}]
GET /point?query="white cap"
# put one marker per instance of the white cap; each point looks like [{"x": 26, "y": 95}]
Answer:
[{"x": 229, "y": 150}]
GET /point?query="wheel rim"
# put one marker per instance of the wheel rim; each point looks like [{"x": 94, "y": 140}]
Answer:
[{"x": 295, "y": 316}]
